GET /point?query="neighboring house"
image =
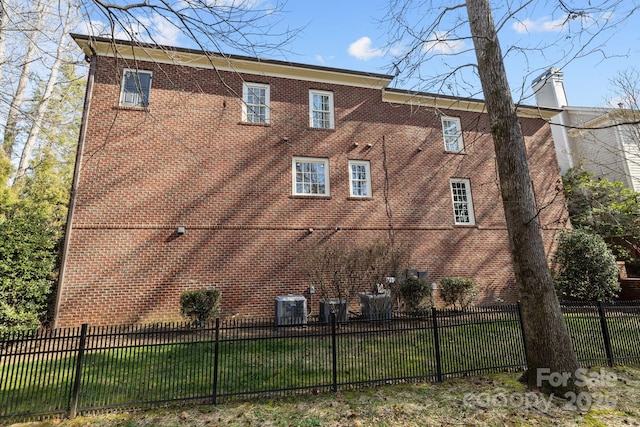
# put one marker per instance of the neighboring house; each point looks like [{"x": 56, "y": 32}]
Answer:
[
  {"x": 199, "y": 170},
  {"x": 589, "y": 137}
]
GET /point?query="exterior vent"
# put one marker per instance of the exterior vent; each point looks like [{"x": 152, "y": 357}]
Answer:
[{"x": 291, "y": 310}]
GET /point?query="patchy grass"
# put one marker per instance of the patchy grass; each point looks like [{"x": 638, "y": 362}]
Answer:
[
  {"x": 129, "y": 375},
  {"x": 488, "y": 400}
]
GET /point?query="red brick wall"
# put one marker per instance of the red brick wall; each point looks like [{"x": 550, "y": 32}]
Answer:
[{"x": 189, "y": 161}]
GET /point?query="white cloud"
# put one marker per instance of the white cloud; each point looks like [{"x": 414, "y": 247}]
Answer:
[
  {"x": 322, "y": 60},
  {"x": 441, "y": 44},
  {"x": 542, "y": 25},
  {"x": 397, "y": 50},
  {"x": 361, "y": 49},
  {"x": 162, "y": 31}
]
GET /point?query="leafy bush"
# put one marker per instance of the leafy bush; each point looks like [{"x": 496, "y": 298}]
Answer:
[
  {"x": 200, "y": 305},
  {"x": 27, "y": 262},
  {"x": 604, "y": 207},
  {"x": 17, "y": 320},
  {"x": 416, "y": 294},
  {"x": 458, "y": 291},
  {"x": 585, "y": 267}
]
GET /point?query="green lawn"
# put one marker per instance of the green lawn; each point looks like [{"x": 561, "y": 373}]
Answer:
[{"x": 294, "y": 359}]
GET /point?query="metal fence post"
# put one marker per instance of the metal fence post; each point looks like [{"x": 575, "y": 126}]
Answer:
[
  {"x": 524, "y": 340},
  {"x": 215, "y": 362},
  {"x": 334, "y": 353},
  {"x": 436, "y": 341},
  {"x": 605, "y": 334},
  {"x": 73, "y": 407}
]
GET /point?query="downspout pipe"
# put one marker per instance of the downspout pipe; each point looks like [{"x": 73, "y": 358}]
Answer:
[{"x": 74, "y": 184}]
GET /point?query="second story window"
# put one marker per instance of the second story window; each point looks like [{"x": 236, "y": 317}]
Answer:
[
  {"x": 136, "y": 87},
  {"x": 360, "y": 178},
  {"x": 321, "y": 109},
  {"x": 255, "y": 103},
  {"x": 462, "y": 203},
  {"x": 310, "y": 176},
  {"x": 452, "y": 132}
]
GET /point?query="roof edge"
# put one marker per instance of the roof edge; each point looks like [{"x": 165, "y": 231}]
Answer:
[
  {"x": 403, "y": 96},
  {"x": 104, "y": 46}
]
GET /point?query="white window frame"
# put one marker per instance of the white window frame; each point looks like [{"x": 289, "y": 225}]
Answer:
[
  {"x": 330, "y": 123},
  {"x": 295, "y": 175},
  {"x": 247, "y": 107},
  {"x": 462, "y": 202},
  {"x": 453, "y": 142},
  {"x": 139, "y": 94},
  {"x": 354, "y": 180}
]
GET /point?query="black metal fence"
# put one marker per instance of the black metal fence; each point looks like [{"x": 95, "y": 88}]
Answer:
[{"x": 67, "y": 371}]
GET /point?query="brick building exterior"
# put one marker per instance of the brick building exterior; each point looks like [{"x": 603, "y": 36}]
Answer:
[{"x": 194, "y": 155}]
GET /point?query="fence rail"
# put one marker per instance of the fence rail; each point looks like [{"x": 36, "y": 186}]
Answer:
[{"x": 67, "y": 371}]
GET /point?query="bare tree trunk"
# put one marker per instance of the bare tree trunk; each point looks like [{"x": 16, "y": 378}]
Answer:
[
  {"x": 13, "y": 116},
  {"x": 43, "y": 105},
  {"x": 547, "y": 340}
]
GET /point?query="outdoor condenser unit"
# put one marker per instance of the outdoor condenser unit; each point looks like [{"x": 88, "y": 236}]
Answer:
[
  {"x": 333, "y": 305},
  {"x": 375, "y": 306},
  {"x": 291, "y": 310}
]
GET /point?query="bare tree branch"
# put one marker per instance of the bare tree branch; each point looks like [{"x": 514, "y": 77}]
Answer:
[{"x": 43, "y": 105}]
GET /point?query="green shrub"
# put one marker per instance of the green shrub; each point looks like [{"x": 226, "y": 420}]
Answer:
[
  {"x": 27, "y": 264},
  {"x": 585, "y": 267},
  {"x": 200, "y": 305},
  {"x": 416, "y": 294},
  {"x": 14, "y": 320},
  {"x": 458, "y": 291}
]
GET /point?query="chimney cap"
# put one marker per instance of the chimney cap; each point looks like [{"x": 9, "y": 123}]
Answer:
[{"x": 552, "y": 71}]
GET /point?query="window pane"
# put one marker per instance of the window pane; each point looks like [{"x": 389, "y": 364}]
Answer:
[
  {"x": 256, "y": 103},
  {"x": 135, "y": 88},
  {"x": 451, "y": 127},
  {"x": 452, "y": 134},
  {"x": 321, "y": 110},
  {"x": 461, "y": 202},
  {"x": 451, "y": 142},
  {"x": 359, "y": 188},
  {"x": 359, "y": 179},
  {"x": 310, "y": 177}
]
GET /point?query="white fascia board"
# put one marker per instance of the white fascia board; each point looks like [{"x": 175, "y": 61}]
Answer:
[
  {"x": 419, "y": 99},
  {"x": 233, "y": 63}
]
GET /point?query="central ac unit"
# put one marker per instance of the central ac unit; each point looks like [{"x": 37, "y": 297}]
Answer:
[
  {"x": 333, "y": 305},
  {"x": 375, "y": 306},
  {"x": 291, "y": 310}
]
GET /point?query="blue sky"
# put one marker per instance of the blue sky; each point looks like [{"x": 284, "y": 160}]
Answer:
[{"x": 348, "y": 34}]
